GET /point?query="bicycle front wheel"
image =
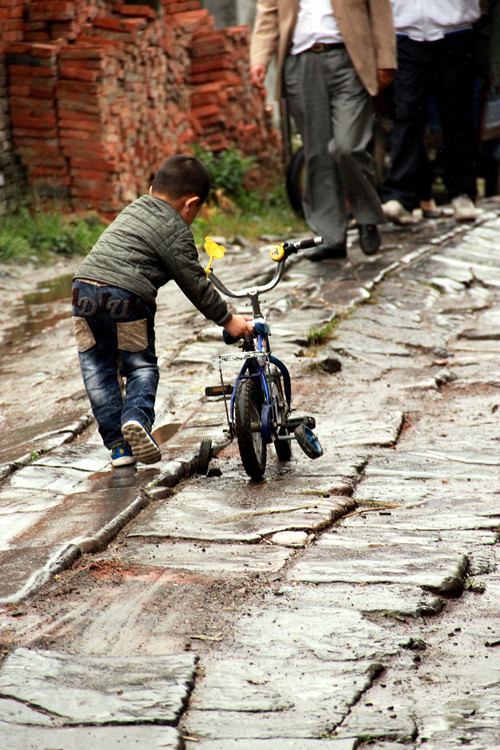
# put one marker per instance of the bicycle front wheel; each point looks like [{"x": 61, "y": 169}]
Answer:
[{"x": 248, "y": 427}]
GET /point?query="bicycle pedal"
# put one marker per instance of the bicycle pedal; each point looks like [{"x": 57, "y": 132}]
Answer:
[{"x": 212, "y": 391}]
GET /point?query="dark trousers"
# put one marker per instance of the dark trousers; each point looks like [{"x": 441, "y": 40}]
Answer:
[{"x": 446, "y": 68}]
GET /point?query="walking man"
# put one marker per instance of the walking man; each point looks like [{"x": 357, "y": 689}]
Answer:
[
  {"x": 332, "y": 57},
  {"x": 435, "y": 46}
]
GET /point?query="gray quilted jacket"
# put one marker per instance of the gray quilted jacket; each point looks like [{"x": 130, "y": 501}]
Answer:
[{"x": 148, "y": 244}]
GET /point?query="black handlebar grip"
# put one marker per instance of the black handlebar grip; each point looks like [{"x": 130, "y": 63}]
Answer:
[
  {"x": 228, "y": 339},
  {"x": 293, "y": 245},
  {"x": 308, "y": 242}
]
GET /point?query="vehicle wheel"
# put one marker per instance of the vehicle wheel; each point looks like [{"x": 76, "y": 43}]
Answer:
[
  {"x": 295, "y": 181},
  {"x": 308, "y": 441},
  {"x": 283, "y": 447},
  {"x": 204, "y": 455},
  {"x": 491, "y": 170},
  {"x": 248, "y": 428}
]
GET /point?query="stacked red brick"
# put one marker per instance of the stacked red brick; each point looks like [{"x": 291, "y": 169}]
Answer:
[
  {"x": 118, "y": 89},
  {"x": 11, "y": 173},
  {"x": 49, "y": 20},
  {"x": 143, "y": 101},
  {"x": 33, "y": 75},
  {"x": 227, "y": 107}
]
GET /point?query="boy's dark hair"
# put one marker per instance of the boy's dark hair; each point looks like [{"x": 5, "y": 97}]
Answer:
[{"x": 182, "y": 175}]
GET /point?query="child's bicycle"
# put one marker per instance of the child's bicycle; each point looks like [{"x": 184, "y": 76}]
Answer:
[{"x": 259, "y": 409}]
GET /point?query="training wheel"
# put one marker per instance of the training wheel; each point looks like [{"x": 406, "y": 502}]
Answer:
[
  {"x": 308, "y": 441},
  {"x": 204, "y": 455}
]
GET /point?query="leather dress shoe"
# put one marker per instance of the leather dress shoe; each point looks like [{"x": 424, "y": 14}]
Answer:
[
  {"x": 369, "y": 238},
  {"x": 328, "y": 252}
]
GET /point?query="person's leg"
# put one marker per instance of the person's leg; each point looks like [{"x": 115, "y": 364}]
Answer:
[
  {"x": 115, "y": 330},
  {"x": 308, "y": 102},
  {"x": 454, "y": 85},
  {"x": 98, "y": 357},
  {"x": 409, "y": 165},
  {"x": 136, "y": 345},
  {"x": 352, "y": 131}
]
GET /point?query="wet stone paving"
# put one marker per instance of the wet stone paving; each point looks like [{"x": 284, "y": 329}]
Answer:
[{"x": 355, "y": 597}]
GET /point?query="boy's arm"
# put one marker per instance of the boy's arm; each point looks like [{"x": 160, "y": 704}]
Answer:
[{"x": 185, "y": 269}]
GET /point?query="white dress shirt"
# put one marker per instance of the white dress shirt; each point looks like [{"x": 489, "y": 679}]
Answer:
[
  {"x": 315, "y": 23},
  {"x": 430, "y": 20}
]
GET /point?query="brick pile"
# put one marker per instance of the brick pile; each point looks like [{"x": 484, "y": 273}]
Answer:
[
  {"x": 11, "y": 172},
  {"x": 101, "y": 92}
]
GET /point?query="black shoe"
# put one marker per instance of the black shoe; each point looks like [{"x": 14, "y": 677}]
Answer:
[
  {"x": 369, "y": 238},
  {"x": 328, "y": 252}
]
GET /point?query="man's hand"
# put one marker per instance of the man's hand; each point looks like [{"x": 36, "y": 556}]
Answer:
[
  {"x": 257, "y": 75},
  {"x": 385, "y": 77},
  {"x": 239, "y": 326}
]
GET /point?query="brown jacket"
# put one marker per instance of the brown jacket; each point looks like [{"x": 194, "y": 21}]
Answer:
[{"x": 366, "y": 26}]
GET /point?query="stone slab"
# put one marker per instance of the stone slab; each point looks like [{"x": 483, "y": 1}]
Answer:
[
  {"x": 47, "y": 478},
  {"x": 295, "y": 665},
  {"x": 96, "y": 690},
  {"x": 357, "y": 343},
  {"x": 90, "y": 738},
  {"x": 83, "y": 457},
  {"x": 18, "y": 565},
  {"x": 215, "y": 516},
  {"x": 216, "y": 559},
  {"x": 15, "y": 524},
  {"x": 404, "y": 558},
  {"x": 391, "y": 599},
  {"x": 14, "y": 500},
  {"x": 363, "y": 428},
  {"x": 277, "y": 743}
]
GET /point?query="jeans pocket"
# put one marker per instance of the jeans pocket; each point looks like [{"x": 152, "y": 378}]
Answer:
[
  {"x": 132, "y": 335},
  {"x": 83, "y": 335}
]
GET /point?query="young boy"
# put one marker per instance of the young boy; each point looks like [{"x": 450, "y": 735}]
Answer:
[{"x": 114, "y": 291}]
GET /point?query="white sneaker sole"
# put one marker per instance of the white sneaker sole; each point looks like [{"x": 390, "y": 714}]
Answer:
[
  {"x": 124, "y": 461},
  {"x": 142, "y": 444}
]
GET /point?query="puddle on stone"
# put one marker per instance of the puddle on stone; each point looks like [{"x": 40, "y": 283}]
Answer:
[
  {"x": 123, "y": 476},
  {"x": 52, "y": 290},
  {"x": 37, "y": 311}
]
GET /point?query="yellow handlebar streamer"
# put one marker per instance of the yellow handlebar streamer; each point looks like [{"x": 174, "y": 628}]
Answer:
[{"x": 214, "y": 251}]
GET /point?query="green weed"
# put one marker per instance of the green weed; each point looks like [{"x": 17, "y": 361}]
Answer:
[
  {"x": 319, "y": 335},
  {"x": 35, "y": 234},
  {"x": 228, "y": 170}
]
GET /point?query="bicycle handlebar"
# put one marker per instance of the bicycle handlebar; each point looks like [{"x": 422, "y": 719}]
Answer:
[
  {"x": 293, "y": 245},
  {"x": 289, "y": 247}
]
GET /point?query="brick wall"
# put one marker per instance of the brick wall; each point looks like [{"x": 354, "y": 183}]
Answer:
[
  {"x": 101, "y": 92},
  {"x": 12, "y": 174}
]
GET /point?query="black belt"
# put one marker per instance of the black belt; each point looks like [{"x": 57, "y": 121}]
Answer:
[{"x": 322, "y": 47}]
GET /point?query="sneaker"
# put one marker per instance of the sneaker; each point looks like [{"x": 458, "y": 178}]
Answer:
[
  {"x": 398, "y": 214},
  {"x": 141, "y": 441},
  {"x": 464, "y": 208},
  {"x": 121, "y": 455}
]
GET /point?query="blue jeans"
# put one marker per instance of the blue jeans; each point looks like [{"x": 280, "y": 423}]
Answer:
[{"x": 115, "y": 335}]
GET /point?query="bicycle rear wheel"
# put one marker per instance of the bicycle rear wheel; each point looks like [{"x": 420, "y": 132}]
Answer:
[{"x": 248, "y": 427}]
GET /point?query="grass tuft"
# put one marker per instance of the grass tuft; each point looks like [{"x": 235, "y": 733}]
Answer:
[{"x": 36, "y": 234}]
